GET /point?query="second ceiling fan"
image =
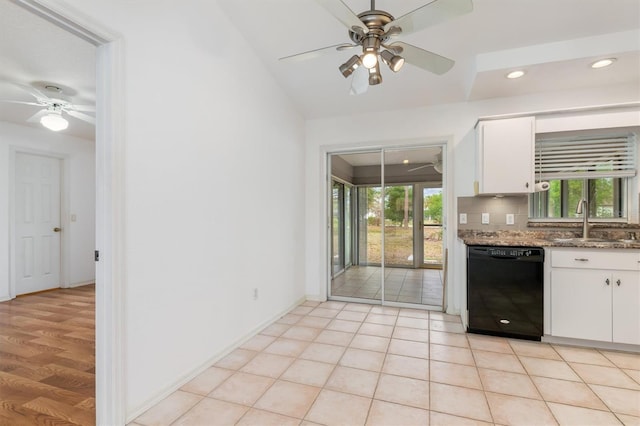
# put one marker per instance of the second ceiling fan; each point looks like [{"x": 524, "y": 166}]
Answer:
[{"x": 373, "y": 30}]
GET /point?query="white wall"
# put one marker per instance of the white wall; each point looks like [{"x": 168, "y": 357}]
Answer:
[
  {"x": 214, "y": 197},
  {"x": 79, "y": 185},
  {"x": 453, "y": 122}
]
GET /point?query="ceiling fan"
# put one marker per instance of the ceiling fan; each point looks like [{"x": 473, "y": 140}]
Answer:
[
  {"x": 437, "y": 165},
  {"x": 53, "y": 103},
  {"x": 372, "y": 30}
]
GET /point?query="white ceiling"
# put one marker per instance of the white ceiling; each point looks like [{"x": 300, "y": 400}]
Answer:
[
  {"x": 33, "y": 52},
  {"x": 554, "y": 40}
]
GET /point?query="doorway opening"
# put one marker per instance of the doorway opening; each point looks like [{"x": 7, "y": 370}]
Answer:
[
  {"x": 387, "y": 228},
  {"x": 109, "y": 219}
]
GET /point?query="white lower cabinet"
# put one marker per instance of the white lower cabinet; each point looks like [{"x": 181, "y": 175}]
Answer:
[
  {"x": 625, "y": 288},
  {"x": 595, "y": 295}
]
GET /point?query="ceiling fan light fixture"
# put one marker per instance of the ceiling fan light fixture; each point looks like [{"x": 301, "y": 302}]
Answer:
[
  {"x": 350, "y": 66},
  {"x": 374, "y": 76},
  {"x": 54, "y": 121},
  {"x": 370, "y": 47},
  {"x": 394, "y": 62},
  {"x": 370, "y": 59}
]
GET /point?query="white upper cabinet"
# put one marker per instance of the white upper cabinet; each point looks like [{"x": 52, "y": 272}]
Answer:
[{"x": 506, "y": 156}]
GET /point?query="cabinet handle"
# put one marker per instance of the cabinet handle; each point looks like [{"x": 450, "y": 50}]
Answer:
[
  {"x": 607, "y": 281},
  {"x": 581, "y": 259},
  {"x": 526, "y": 185},
  {"x": 618, "y": 282}
]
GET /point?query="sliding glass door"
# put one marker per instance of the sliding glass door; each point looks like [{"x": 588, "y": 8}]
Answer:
[{"x": 387, "y": 226}]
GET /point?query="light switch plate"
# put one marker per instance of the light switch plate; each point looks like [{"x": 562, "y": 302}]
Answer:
[
  {"x": 510, "y": 219},
  {"x": 485, "y": 218},
  {"x": 463, "y": 218}
]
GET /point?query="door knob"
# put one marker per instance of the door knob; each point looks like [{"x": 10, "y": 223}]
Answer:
[{"x": 56, "y": 229}]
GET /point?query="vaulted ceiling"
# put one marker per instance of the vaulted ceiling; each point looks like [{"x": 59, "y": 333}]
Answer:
[{"x": 553, "y": 41}]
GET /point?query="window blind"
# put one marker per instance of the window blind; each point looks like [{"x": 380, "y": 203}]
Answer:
[{"x": 585, "y": 158}]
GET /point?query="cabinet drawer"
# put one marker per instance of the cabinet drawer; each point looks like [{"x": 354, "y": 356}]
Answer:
[{"x": 596, "y": 259}]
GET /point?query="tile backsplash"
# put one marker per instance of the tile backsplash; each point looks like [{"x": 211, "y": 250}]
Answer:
[{"x": 498, "y": 208}]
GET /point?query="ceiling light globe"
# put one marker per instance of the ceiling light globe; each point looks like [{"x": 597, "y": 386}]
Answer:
[
  {"x": 54, "y": 122},
  {"x": 370, "y": 59}
]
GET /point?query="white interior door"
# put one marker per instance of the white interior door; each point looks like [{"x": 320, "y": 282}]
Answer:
[{"x": 38, "y": 227}]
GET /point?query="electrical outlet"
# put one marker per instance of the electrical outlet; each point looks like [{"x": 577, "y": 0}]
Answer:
[
  {"x": 255, "y": 294},
  {"x": 463, "y": 218},
  {"x": 510, "y": 219},
  {"x": 485, "y": 218}
]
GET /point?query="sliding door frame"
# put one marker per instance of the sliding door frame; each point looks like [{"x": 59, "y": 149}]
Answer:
[{"x": 328, "y": 203}]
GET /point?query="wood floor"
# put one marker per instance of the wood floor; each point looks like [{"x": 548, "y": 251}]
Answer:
[{"x": 47, "y": 358}]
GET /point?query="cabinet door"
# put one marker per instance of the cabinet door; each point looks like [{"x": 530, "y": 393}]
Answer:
[
  {"x": 581, "y": 304},
  {"x": 506, "y": 156},
  {"x": 626, "y": 307}
]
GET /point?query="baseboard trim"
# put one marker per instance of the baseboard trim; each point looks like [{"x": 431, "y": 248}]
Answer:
[
  {"x": 195, "y": 372},
  {"x": 591, "y": 344},
  {"x": 5, "y": 299},
  {"x": 81, "y": 284},
  {"x": 315, "y": 298}
]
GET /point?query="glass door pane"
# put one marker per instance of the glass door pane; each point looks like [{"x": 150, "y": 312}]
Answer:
[
  {"x": 348, "y": 235},
  {"x": 361, "y": 211},
  {"x": 398, "y": 227},
  {"x": 413, "y": 225},
  {"x": 337, "y": 227},
  {"x": 432, "y": 220}
]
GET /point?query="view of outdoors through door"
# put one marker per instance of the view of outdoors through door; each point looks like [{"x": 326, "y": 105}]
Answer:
[
  {"x": 407, "y": 213},
  {"x": 398, "y": 229},
  {"x": 432, "y": 227}
]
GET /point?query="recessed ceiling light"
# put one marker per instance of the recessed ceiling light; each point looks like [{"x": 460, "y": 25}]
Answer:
[
  {"x": 405, "y": 161},
  {"x": 603, "y": 63},
  {"x": 515, "y": 74}
]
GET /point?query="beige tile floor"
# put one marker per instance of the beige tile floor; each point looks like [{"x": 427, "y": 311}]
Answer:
[
  {"x": 420, "y": 286},
  {"x": 338, "y": 363}
]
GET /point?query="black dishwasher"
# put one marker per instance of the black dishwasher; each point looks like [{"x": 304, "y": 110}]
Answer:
[{"x": 504, "y": 291}]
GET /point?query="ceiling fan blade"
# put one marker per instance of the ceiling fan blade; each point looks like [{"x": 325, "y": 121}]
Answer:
[
  {"x": 86, "y": 108},
  {"x": 35, "y": 118},
  {"x": 81, "y": 116},
  {"x": 359, "y": 81},
  {"x": 430, "y": 14},
  {"x": 342, "y": 13},
  {"x": 419, "y": 167},
  {"x": 32, "y": 91},
  {"x": 312, "y": 54},
  {"x": 20, "y": 102},
  {"x": 423, "y": 58}
]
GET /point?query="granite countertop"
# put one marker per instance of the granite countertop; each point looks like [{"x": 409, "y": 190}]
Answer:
[{"x": 545, "y": 239}]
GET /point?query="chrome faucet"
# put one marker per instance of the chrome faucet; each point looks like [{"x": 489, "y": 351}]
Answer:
[{"x": 583, "y": 208}]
